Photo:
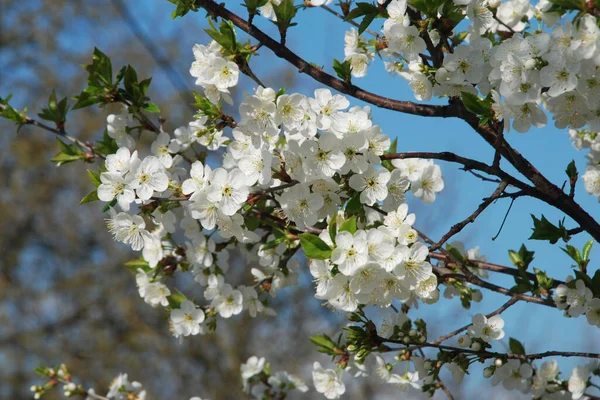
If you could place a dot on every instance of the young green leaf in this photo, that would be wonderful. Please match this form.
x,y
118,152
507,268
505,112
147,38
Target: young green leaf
x,y
515,346
343,70
314,247
349,225
94,177
545,230
92,196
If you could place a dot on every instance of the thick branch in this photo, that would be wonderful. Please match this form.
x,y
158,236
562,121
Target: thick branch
x,y
543,190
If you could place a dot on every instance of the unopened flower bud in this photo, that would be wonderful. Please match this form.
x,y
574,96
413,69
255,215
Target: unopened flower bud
x,y
464,341
494,3
487,373
498,362
476,296
476,346
441,75
530,64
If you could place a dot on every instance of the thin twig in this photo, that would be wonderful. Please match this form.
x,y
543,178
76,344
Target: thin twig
x,y
502,269
500,310
512,200
87,147
490,354
456,228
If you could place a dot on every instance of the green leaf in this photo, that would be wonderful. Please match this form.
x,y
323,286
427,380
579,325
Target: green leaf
x,y
91,196
333,227
107,145
587,248
515,346
521,288
570,4
393,147
543,279
343,70
94,177
135,91
100,70
323,341
138,263
596,284
585,278
574,253
175,299
474,104
545,230
515,258
206,107
56,111
366,21
67,153
285,12
314,247
183,7
362,9
571,172
354,205
151,107
109,205
455,252
522,258
428,7
254,5
349,225
18,117
225,35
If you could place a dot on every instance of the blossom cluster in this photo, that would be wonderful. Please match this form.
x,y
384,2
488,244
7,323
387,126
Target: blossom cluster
x,y
260,382
544,382
554,67
576,299
376,265
121,388
323,154
586,139
293,171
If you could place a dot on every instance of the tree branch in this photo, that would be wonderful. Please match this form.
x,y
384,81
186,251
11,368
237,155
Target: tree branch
x,y
493,267
500,310
471,218
490,354
87,147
